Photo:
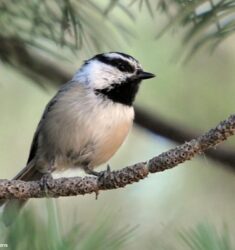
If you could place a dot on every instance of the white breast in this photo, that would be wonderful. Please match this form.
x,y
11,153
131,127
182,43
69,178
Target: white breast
x,y
114,121
87,126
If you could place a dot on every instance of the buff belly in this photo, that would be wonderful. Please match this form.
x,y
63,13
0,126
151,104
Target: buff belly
x,y
85,141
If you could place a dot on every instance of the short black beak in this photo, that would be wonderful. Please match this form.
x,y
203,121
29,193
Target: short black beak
x,y
145,75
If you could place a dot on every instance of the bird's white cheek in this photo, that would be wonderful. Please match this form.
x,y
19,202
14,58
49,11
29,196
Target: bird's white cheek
x,y
105,78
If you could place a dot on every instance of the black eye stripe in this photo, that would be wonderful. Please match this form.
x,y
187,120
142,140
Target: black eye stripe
x,y
122,65
119,63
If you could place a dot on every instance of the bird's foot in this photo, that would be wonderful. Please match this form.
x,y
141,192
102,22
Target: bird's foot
x,y
92,172
102,174
45,182
107,172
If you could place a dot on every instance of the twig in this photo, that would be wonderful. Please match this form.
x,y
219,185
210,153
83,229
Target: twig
x,y
180,134
16,189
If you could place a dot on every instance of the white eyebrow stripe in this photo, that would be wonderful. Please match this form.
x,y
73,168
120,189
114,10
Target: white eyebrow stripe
x,y
115,55
131,60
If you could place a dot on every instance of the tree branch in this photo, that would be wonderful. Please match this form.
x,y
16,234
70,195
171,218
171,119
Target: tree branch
x,y
179,134
17,189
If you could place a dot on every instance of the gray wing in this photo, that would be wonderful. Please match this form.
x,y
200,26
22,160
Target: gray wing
x,y
34,145
53,101
29,172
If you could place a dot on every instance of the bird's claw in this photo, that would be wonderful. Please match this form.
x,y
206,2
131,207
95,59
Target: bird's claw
x,y
100,174
108,170
45,182
103,176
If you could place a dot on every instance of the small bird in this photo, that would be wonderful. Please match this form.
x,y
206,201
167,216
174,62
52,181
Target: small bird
x,y
87,120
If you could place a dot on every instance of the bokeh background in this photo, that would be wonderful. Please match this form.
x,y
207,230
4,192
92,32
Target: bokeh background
x,y
189,207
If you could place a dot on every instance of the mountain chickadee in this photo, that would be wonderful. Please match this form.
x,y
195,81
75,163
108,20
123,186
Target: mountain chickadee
x,y
87,120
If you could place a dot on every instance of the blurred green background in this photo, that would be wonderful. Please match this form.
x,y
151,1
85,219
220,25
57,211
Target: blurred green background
x,y
195,95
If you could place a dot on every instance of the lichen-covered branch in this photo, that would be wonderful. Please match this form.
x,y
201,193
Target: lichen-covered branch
x,y
72,186
179,134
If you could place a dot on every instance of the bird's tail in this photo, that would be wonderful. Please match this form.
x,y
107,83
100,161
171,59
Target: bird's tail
x,y
12,207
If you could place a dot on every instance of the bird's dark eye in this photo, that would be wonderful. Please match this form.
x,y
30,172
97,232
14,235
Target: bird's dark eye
x,y
121,67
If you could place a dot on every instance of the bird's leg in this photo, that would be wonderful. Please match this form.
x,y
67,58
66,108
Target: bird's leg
x,y
105,175
100,174
108,170
90,171
45,182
